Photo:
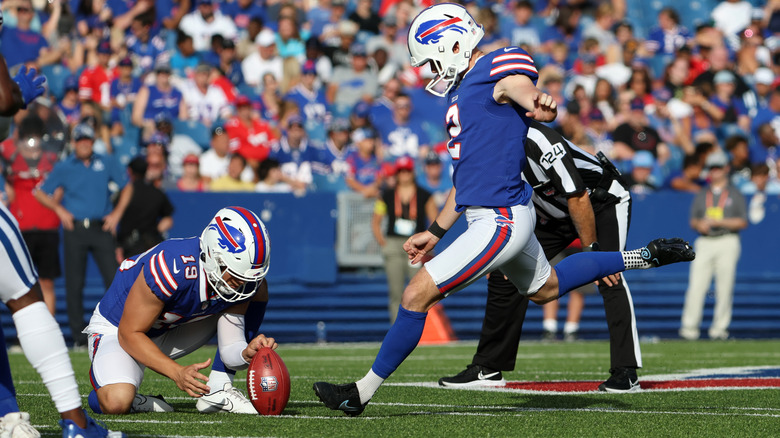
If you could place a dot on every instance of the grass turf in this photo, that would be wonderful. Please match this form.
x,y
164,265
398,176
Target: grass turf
x,y
418,411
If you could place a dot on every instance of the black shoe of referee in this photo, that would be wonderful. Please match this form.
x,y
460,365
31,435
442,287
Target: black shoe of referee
x,y
622,380
474,375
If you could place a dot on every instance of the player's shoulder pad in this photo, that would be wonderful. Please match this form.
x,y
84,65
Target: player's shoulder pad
x,y
172,264
511,60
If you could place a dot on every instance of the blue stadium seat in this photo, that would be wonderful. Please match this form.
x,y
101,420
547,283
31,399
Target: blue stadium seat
x,y
55,77
248,91
695,12
329,183
194,130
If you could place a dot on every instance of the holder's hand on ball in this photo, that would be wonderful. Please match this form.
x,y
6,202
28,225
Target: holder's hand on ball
x,y
257,343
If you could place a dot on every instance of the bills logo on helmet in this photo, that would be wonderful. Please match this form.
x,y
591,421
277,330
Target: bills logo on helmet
x,y
268,383
230,238
430,32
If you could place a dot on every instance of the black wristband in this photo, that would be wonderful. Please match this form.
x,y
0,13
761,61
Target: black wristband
x,y
436,230
592,247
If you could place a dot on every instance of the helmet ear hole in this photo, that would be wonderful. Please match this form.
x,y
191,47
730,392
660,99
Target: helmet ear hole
x,y
456,47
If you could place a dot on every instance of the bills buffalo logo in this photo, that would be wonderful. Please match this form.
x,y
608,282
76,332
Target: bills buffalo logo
x,y
502,221
269,383
431,32
230,238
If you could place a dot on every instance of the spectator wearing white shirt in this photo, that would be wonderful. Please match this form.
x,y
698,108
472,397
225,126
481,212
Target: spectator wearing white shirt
x,y
206,102
269,175
264,60
732,16
214,162
205,22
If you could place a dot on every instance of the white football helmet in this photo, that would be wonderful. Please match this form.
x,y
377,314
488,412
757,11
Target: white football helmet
x,y
235,241
432,37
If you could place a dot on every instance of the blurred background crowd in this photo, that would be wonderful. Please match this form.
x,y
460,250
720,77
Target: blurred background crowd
x,y
252,95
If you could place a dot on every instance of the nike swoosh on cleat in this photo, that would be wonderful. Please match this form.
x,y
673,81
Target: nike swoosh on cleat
x,y
486,376
225,404
633,384
344,406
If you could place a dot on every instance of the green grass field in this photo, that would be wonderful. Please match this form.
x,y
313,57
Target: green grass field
x,y
430,411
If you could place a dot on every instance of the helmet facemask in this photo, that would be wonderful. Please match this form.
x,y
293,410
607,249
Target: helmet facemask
x,y
215,275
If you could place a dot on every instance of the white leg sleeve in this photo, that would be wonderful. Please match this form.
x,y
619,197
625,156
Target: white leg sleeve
x,y
44,346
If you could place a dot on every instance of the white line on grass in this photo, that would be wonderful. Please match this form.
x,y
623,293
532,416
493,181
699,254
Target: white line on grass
x,y
124,420
604,410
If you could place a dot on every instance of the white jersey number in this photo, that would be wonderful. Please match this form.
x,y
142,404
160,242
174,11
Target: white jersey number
x,y
453,121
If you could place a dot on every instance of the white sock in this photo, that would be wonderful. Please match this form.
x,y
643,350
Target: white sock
x,y
633,259
550,325
43,345
368,385
217,380
571,327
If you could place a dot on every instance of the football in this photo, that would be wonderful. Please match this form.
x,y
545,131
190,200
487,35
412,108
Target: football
x,y
268,382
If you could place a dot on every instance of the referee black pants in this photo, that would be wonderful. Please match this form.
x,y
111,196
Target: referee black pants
x,y
79,242
505,310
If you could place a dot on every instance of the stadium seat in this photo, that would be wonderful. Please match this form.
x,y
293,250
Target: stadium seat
x,y
329,183
248,91
194,130
55,77
695,12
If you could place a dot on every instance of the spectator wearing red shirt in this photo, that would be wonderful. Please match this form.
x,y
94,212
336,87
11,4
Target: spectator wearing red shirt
x,y
250,136
95,80
27,165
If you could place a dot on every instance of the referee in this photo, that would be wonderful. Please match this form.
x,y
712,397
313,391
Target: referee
x,y
82,181
576,195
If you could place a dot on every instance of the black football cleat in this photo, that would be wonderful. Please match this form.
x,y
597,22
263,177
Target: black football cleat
x,y
622,380
661,252
340,397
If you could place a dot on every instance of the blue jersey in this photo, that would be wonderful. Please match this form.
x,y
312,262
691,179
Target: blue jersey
x,y
242,16
400,140
160,102
486,138
20,46
313,107
173,272
123,91
146,53
364,171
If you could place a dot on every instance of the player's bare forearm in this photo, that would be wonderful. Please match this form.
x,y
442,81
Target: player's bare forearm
x,y
581,212
448,216
521,90
142,309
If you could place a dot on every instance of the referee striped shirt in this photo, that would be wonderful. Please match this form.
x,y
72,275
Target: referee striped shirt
x,y
558,169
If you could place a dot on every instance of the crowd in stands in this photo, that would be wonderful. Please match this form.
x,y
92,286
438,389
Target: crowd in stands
x,y
298,96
